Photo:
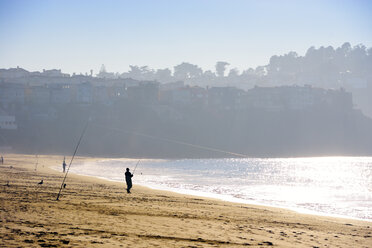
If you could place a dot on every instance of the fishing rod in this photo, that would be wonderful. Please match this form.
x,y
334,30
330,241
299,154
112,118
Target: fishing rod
x,y
136,167
72,158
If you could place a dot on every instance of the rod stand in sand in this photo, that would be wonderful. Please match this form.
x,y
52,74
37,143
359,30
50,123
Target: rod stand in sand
x,y
73,156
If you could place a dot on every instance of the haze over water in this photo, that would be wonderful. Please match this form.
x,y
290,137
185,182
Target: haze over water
x,y
340,186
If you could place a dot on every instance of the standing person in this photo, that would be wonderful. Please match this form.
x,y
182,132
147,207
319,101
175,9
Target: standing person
x,y
128,180
2,160
64,165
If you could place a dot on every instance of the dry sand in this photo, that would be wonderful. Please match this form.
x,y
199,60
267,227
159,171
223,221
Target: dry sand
x,y
98,213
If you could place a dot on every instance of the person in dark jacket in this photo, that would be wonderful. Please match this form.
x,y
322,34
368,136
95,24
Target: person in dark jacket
x,y
128,180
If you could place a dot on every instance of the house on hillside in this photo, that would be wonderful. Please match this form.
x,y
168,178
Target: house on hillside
x,y
11,93
84,93
145,93
54,73
294,98
184,96
13,73
38,94
7,121
60,93
224,97
339,99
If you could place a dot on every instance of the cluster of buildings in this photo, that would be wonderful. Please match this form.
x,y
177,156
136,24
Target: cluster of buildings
x,y
263,98
15,73
175,94
266,98
39,94
82,93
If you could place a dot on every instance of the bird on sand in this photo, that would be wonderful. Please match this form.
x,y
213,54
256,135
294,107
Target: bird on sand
x,y
41,182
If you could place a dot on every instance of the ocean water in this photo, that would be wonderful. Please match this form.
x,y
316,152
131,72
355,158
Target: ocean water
x,y
334,186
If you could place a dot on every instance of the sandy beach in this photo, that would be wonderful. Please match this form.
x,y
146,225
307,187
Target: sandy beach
x,y
96,213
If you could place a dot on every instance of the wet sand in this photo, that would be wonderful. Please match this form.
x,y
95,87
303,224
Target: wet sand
x,y
98,213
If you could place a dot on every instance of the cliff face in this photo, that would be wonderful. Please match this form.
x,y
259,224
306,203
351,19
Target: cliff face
x,y
145,131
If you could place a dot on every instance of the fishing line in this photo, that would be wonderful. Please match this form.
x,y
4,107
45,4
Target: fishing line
x,y
73,156
176,141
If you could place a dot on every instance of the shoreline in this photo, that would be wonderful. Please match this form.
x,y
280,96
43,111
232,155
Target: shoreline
x,y
232,199
93,212
225,198
216,196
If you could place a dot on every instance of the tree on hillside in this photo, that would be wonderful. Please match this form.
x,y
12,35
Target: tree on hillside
x,y
187,71
139,73
163,75
234,73
221,68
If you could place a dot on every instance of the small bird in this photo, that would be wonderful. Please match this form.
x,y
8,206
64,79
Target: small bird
x,y
7,184
64,186
41,182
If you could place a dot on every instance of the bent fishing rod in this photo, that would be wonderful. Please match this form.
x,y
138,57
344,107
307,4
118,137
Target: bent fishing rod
x,y
72,158
136,166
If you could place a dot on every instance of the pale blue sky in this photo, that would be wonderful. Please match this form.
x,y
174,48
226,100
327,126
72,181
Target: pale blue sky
x,y
77,36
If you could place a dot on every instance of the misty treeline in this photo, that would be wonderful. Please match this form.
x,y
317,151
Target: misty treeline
x,y
325,66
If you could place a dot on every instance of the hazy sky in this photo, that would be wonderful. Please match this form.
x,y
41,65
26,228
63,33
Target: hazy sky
x,y
77,36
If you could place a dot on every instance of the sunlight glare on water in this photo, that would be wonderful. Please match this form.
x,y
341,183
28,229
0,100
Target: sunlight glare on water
x,y
325,185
